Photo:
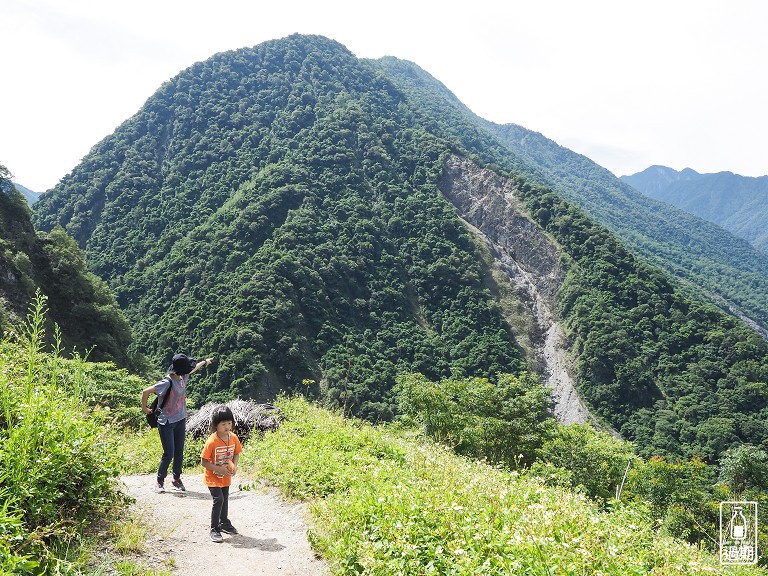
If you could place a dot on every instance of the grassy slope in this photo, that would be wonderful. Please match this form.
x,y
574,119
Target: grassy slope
x,y
387,503
383,500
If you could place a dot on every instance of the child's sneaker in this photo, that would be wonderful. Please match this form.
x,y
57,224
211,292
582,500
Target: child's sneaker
x,y
158,487
228,528
216,536
177,484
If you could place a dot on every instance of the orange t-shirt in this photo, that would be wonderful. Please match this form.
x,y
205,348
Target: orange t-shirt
x,y
219,452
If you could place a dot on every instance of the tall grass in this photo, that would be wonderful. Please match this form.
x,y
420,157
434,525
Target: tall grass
x,y
56,462
385,503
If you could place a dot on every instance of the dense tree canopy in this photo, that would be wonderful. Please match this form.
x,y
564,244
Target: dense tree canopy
x,y
710,263
676,376
277,207
505,422
78,301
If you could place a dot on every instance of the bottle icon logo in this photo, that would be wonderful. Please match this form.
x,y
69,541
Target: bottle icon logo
x,y
738,524
738,533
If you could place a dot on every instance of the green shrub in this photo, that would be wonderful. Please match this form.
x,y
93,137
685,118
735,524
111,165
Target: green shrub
x,y
744,467
105,385
139,451
505,421
384,503
56,457
679,494
595,461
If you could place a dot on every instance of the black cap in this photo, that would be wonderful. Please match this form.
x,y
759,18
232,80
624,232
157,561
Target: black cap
x,y
182,364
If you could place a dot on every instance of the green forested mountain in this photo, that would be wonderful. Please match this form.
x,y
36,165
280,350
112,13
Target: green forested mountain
x,y
711,263
278,206
737,203
78,301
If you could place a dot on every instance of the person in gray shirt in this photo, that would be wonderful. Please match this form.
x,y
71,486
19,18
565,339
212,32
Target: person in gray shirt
x,y
172,417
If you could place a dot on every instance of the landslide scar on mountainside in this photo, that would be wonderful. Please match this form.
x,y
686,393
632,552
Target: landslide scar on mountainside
x,y
529,259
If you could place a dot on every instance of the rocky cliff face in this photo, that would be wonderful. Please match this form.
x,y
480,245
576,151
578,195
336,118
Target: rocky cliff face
x,y
531,262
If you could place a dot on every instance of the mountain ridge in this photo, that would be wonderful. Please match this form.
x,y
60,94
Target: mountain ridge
x,y
28,194
737,203
282,206
709,263
296,182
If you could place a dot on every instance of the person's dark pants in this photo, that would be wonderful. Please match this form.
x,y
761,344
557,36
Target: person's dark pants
x,y
172,439
220,511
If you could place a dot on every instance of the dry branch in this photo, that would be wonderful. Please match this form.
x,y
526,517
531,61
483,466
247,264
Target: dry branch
x,y
249,416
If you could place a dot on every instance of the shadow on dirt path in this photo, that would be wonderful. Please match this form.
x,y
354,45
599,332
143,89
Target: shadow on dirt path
x,y
272,538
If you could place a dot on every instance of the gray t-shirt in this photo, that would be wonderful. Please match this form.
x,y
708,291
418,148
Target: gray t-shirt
x,y
175,408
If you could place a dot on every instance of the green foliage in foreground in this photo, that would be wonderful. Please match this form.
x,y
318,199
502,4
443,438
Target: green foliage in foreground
x,y
584,458
385,504
510,425
504,422
56,461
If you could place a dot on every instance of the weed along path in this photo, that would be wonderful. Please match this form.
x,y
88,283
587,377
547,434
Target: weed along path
x,y
272,537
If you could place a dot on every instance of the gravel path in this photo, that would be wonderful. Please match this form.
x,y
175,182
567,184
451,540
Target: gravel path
x,y
272,538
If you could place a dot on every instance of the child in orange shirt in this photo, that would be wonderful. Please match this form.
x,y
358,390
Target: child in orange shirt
x,y
219,458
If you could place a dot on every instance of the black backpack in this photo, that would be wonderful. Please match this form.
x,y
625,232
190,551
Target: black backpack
x,y
152,416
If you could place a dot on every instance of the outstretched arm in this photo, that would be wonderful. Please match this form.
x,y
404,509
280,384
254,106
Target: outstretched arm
x,y
201,364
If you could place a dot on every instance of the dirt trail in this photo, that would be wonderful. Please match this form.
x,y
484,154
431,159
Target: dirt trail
x,y
272,539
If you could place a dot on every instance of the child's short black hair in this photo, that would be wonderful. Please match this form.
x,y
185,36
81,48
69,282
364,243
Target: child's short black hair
x,y
221,414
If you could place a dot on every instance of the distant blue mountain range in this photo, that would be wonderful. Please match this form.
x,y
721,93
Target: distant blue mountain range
x,y
737,203
30,195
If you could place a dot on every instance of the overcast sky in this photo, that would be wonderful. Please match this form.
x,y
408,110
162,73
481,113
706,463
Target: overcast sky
x,y
683,83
